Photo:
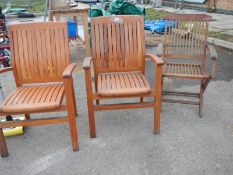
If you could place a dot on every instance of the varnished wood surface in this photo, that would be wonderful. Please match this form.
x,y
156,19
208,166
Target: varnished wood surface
x,y
40,51
42,71
127,83
29,98
185,39
118,51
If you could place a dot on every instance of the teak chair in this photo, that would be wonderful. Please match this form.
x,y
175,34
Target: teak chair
x,y
119,67
43,75
184,51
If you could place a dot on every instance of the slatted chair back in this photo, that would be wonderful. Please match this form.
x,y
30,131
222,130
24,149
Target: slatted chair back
x,y
186,36
118,43
40,51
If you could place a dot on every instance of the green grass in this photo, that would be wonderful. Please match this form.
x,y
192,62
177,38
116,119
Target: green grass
x,y
39,5
221,35
152,14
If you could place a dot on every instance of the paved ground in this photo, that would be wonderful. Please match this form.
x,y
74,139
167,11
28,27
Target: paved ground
x,y
125,144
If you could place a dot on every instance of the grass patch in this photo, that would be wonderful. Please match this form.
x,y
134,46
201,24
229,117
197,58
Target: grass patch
x,y
33,6
152,14
221,35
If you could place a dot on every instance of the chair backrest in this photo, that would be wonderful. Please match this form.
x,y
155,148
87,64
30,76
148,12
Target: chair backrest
x,y
40,51
118,43
186,36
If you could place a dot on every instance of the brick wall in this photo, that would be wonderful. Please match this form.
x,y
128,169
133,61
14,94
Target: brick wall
x,y
221,6
224,4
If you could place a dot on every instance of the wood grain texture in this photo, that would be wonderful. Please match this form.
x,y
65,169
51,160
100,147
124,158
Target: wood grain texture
x,y
40,51
118,43
43,75
117,84
185,41
29,98
119,67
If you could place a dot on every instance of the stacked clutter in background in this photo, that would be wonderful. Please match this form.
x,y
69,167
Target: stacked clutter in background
x,y
72,31
20,12
5,62
116,7
4,42
18,130
157,26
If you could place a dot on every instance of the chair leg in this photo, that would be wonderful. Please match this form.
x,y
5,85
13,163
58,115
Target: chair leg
x,y
74,102
27,116
91,117
201,98
157,108
73,131
3,147
141,99
71,109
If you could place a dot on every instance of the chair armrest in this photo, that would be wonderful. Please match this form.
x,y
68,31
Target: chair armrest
x,y
87,63
155,59
212,51
68,71
159,50
5,69
213,56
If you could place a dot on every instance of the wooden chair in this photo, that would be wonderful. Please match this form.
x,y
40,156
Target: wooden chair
x,y
184,51
43,75
119,67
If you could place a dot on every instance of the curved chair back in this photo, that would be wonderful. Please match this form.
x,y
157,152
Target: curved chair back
x,y
40,51
118,43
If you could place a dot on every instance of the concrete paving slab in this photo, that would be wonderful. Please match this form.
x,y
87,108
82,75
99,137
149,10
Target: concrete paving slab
x,y
125,143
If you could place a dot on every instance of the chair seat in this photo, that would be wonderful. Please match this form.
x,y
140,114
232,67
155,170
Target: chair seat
x,y
194,71
32,98
122,84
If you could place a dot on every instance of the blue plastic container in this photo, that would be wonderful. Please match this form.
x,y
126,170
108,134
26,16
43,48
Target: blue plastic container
x,y
72,29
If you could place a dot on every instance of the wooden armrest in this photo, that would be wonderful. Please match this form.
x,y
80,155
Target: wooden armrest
x,y
212,51
159,50
213,56
68,71
155,59
87,63
5,69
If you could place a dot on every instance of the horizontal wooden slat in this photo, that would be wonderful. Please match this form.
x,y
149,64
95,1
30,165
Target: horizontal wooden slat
x,y
29,98
180,101
127,83
32,122
123,106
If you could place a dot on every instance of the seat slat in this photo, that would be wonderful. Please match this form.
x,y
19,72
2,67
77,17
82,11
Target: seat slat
x,y
174,69
128,83
26,98
132,83
123,84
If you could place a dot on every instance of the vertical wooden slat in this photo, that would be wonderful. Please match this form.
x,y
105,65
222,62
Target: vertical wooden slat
x,y
97,46
53,52
131,62
127,41
62,50
105,45
114,45
122,40
118,45
110,46
30,54
101,46
139,46
25,53
49,54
